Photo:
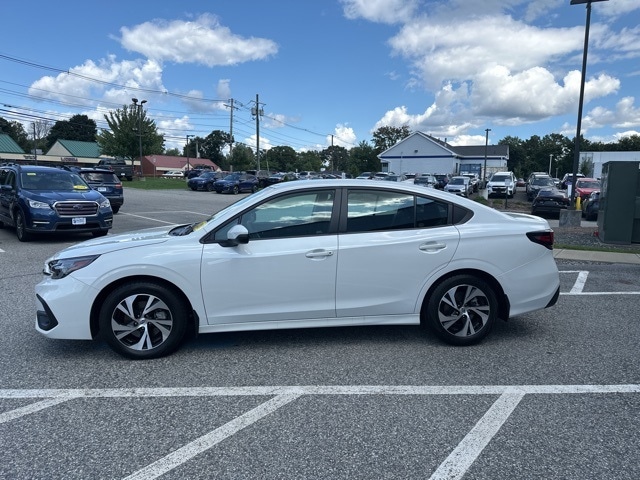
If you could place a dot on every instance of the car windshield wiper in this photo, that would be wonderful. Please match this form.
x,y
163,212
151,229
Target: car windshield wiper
x,y
182,230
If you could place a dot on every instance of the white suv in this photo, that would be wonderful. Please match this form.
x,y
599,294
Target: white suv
x,y
502,183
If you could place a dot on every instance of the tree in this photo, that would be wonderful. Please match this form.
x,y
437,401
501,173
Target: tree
x,y
211,146
309,161
241,159
78,127
16,131
363,158
387,137
281,159
173,152
336,158
40,130
123,137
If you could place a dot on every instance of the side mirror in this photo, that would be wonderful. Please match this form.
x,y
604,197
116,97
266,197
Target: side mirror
x,y
238,234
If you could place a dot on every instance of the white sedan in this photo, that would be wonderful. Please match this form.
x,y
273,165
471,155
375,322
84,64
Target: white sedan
x,y
304,254
173,174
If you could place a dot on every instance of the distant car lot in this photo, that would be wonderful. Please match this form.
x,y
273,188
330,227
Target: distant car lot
x,y
551,392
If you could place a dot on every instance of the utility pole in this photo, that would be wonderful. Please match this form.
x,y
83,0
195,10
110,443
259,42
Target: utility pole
x,y
35,145
138,107
486,146
232,107
257,112
187,151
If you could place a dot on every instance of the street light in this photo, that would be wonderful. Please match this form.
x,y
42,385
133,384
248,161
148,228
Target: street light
x,y
486,146
138,107
187,151
576,153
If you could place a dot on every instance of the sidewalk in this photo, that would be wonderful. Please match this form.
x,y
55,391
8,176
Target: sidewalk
x,y
592,255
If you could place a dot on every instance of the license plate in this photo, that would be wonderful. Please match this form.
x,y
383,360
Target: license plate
x,y
79,221
102,189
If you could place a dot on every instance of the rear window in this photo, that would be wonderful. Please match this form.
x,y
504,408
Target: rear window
x,y
99,177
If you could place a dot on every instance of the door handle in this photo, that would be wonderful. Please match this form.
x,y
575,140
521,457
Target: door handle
x,y
432,247
320,253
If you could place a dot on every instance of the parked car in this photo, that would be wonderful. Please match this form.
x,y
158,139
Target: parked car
x,y
106,183
307,175
459,185
205,181
520,182
365,176
591,206
549,200
474,181
585,186
38,200
236,183
119,166
196,171
568,178
349,240
443,179
395,178
281,177
501,183
538,183
533,176
173,174
381,175
426,180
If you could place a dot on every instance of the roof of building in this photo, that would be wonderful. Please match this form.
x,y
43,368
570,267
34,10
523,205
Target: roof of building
x,y
177,163
9,145
80,149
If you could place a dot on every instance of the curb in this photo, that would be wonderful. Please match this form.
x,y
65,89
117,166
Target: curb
x,y
593,256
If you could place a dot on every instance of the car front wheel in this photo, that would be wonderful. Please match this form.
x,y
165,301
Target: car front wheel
x,y
462,309
21,227
235,189
143,320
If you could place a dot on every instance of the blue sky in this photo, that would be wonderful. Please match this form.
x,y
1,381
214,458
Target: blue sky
x,y
327,70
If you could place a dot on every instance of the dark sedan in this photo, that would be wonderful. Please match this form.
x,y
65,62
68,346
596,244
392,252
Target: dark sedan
x,y
204,181
281,177
590,206
549,200
538,184
105,182
236,183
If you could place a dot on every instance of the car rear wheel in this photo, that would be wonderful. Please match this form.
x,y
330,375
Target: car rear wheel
x,y
115,209
21,227
210,187
235,189
143,320
462,309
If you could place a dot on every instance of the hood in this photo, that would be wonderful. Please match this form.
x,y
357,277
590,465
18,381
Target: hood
x,y
67,196
111,243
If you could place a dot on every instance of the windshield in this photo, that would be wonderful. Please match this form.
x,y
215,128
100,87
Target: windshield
x,y
233,177
457,181
57,181
587,184
543,181
500,178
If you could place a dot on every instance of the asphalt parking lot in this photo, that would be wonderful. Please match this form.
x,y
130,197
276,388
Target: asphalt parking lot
x,y
555,394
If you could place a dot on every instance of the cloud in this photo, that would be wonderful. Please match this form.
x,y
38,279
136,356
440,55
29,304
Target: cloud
x,y
203,41
344,136
104,75
380,11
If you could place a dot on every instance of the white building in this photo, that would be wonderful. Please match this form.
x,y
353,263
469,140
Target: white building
x,y
422,153
600,158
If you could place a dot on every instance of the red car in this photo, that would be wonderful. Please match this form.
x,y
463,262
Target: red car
x,y
585,186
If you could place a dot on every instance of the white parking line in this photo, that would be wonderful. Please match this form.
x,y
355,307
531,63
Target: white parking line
x,y
581,280
183,454
454,466
463,456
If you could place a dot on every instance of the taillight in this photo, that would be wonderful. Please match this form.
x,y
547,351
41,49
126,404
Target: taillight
x,y
544,238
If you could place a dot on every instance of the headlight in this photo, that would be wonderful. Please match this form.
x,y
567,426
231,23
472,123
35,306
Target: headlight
x,y
105,204
37,204
62,267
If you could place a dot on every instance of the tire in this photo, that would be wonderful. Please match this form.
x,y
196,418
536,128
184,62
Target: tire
x,y
254,189
21,227
115,209
99,233
143,320
461,310
210,187
235,189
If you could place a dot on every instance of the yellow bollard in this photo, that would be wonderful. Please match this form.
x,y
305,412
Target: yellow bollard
x,y
578,205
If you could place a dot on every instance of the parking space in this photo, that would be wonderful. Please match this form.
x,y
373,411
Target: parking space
x,y
549,395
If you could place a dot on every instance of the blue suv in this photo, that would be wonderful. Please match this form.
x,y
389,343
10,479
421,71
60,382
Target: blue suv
x,y
36,199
